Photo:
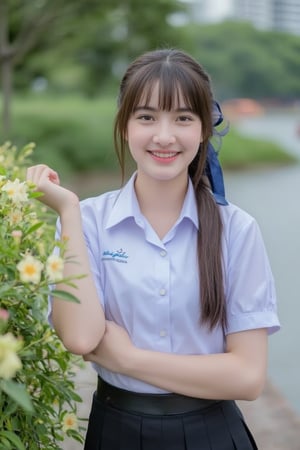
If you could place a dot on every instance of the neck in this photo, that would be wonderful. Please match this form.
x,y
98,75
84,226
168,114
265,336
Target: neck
x,y
162,195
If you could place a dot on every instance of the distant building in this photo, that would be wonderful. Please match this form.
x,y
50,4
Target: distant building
x,y
286,16
258,12
279,15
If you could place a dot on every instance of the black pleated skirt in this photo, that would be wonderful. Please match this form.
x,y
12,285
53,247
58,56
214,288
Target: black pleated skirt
x,y
217,427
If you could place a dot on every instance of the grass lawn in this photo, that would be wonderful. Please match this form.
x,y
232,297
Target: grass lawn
x,y
240,152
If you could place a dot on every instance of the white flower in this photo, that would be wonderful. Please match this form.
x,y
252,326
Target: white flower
x,y
30,269
54,267
9,360
16,191
15,216
70,422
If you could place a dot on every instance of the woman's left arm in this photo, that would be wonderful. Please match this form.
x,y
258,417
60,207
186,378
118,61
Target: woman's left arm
x,y
237,374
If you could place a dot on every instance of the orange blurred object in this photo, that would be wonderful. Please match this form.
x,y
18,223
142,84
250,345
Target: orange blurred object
x,y
237,107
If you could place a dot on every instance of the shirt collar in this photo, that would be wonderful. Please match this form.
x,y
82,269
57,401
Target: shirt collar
x,y
126,205
189,207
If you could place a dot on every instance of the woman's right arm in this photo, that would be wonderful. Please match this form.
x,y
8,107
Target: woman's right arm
x,y
80,326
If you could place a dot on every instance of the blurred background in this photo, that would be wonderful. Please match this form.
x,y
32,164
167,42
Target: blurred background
x,y
61,62
60,65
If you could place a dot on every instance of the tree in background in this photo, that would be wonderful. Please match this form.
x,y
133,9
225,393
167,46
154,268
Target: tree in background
x,y
25,26
246,62
76,46
130,29
93,32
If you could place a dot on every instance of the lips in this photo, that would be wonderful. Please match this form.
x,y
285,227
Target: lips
x,y
166,155
163,157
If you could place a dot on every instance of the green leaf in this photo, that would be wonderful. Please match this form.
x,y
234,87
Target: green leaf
x,y
35,194
65,296
5,287
18,393
5,445
10,408
12,437
34,227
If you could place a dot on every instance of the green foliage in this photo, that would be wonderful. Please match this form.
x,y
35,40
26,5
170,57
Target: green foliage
x,y
245,62
91,43
74,134
242,61
37,392
125,31
99,37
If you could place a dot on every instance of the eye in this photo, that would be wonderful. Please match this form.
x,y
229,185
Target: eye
x,y
145,117
185,118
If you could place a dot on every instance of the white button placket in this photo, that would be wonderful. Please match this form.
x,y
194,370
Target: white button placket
x,y
163,319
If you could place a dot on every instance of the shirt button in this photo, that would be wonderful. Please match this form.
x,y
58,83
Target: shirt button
x,y
163,333
162,292
163,253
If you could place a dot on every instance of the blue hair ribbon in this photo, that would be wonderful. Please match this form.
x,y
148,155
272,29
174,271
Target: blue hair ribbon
x,y
213,167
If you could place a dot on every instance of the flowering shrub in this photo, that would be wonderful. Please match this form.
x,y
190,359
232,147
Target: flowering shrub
x,y
37,393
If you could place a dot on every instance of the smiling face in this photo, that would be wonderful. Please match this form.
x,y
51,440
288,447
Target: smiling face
x,y
170,90
163,142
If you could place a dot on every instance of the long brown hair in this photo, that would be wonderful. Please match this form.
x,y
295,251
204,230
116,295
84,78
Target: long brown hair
x,y
178,73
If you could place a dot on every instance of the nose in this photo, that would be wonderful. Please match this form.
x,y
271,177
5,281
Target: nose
x,y
164,134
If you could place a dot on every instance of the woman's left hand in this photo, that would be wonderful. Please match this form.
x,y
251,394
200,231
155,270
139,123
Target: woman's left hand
x,y
113,350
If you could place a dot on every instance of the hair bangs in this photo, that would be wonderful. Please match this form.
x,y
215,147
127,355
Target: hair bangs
x,y
175,85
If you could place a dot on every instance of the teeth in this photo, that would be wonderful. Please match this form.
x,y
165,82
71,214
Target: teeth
x,y
164,155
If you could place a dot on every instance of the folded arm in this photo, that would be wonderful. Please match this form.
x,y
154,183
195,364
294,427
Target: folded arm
x,y
239,373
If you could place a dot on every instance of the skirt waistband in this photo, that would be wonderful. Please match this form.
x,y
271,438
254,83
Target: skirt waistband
x,y
157,404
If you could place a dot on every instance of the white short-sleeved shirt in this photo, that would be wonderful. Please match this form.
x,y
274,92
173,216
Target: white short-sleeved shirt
x,y
150,286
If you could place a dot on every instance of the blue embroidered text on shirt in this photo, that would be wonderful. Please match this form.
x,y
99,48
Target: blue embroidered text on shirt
x,y
118,255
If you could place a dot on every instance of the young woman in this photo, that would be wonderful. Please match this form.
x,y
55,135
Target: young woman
x,y
179,297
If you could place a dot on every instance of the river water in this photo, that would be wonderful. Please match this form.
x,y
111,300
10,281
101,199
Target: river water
x,y
282,128
272,196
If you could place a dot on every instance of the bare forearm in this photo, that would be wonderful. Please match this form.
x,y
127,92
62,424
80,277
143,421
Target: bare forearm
x,y
218,376
80,326
239,373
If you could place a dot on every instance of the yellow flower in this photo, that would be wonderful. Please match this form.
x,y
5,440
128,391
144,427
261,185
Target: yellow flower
x,y
70,422
16,191
9,360
30,269
54,267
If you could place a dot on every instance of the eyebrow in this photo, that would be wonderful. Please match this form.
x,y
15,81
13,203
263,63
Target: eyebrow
x,y
150,108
